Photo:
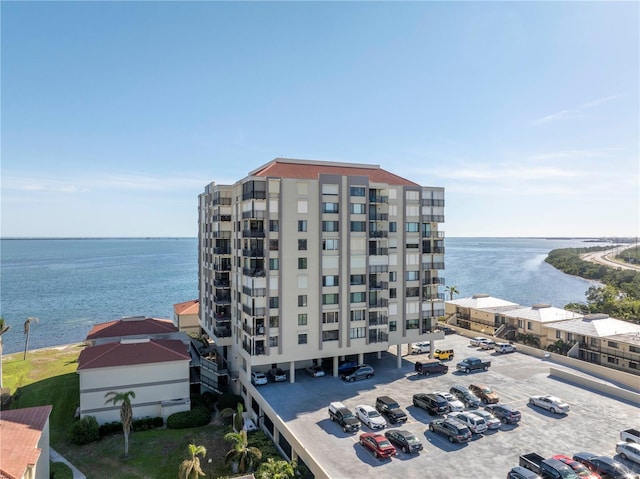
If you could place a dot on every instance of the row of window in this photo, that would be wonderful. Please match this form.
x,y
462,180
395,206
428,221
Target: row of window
x,y
354,333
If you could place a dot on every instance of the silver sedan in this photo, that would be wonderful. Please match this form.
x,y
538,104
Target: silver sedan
x,y
550,403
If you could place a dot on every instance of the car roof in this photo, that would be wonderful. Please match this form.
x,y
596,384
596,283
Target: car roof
x,y
366,407
631,445
524,472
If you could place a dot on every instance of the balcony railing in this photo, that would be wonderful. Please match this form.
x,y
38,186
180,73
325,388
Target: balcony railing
x,y
379,303
221,284
253,233
378,285
253,252
433,218
254,214
254,311
433,280
257,331
221,234
377,336
222,266
221,217
378,251
378,234
222,201
254,195
222,250
432,249
433,265
378,199
432,234
378,320
635,357
222,332
222,298
222,316
254,272
255,292
379,216
433,297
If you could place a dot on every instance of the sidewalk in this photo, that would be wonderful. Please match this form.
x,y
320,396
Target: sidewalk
x,y
55,457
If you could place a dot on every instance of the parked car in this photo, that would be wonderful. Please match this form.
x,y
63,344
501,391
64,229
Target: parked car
x,y
315,371
548,468
370,417
472,364
447,330
378,444
505,413
477,340
464,395
452,403
520,472
421,347
504,348
485,393
390,409
258,378
277,375
453,429
629,450
581,470
488,344
630,435
404,440
347,366
443,354
475,423
492,421
430,366
607,467
550,403
342,415
361,372
431,403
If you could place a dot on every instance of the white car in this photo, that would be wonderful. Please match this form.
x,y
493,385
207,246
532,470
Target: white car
x,y
504,348
421,347
550,403
453,403
258,378
369,416
473,421
488,344
629,450
315,371
477,341
492,421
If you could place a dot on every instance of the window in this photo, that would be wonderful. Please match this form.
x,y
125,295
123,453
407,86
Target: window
x,y
413,292
302,245
357,315
330,189
329,317
355,333
274,264
412,246
274,321
329,244
569,336
634,349
633,365
329,207
330,226
358,208
357,191
393,325
412,323
612,360
393,276
302,319
529,325
393,227
273,341
302,300
302,263
594,342
357,297
330,298
273,245
612,344
392,293
411,227
302,338
274,302
413,275
330,335
358,226
274,225
558,334
357,279
520,324
302,225
330,280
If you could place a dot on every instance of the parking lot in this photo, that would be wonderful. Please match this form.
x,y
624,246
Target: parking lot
x,y
592,425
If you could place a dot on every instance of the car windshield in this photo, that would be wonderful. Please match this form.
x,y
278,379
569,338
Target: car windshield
x,y
411,439
373,413
567,473
384,443
487,390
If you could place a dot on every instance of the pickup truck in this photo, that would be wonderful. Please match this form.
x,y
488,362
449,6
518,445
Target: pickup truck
x,y
547,468
471,364
630,435
342,415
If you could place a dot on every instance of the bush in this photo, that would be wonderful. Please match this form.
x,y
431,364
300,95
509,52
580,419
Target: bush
x,y
229,400
139,424
60,470
210,399
84,431
110,428
198,416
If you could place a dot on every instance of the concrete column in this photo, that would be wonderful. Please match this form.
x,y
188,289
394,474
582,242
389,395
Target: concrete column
x,y
360,358
399,355
294,455
276,436
292,372
432,348
335,366
379,354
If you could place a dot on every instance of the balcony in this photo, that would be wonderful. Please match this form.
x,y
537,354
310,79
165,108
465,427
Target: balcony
x,y
254,214
222,298
222,201
378,285
378,251
254,195
432,249
226,266
222,250
219,283
433,297
221,234
379,303
430,202
378,199
379,320
253,272
255,233
433,280
223,315
253,252
222,332
377,336
378,216
257,331
433,218
432,235
253,311
255,350
255,292
378,234
221,217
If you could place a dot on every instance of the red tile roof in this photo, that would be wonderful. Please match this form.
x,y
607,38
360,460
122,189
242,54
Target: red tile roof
x,y
305,169
20,432
130,327
132,352
188,307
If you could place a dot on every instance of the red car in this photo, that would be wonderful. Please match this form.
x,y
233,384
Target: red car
x,y
378,443
580,469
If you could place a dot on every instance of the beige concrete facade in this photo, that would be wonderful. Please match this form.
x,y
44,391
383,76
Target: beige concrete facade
x,y
319,261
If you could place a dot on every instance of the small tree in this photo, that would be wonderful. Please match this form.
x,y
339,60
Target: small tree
x,y
126,413
241,451
238,422
280,469
27,330
190,467
451,290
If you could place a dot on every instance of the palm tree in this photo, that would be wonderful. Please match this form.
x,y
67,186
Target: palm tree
x,y
272,469
191,467
27,330
241,451
126,413
3,329
238,420
451,290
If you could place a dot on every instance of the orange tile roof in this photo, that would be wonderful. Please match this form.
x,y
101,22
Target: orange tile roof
x,y
188,307
304,169
20,432
130,353
130,327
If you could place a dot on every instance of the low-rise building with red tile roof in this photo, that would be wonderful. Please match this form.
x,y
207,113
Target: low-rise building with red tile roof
x,y
134,327
187,316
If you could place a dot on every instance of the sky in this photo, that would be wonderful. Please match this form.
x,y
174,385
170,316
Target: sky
x,y
116,115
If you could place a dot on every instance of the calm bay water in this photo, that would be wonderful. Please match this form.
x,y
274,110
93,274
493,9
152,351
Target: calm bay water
x,y
72,284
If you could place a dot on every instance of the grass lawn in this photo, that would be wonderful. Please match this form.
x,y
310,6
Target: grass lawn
x,y
49,377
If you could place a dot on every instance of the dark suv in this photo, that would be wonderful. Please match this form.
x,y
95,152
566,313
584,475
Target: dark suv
x,y
453,429
506,414
361,372
390,408
432,403
463,394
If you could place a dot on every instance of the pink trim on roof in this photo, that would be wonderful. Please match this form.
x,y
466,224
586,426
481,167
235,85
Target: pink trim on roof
x,y
132,353
131,327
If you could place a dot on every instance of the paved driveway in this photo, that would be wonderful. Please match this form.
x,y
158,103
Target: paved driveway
x,y
592,425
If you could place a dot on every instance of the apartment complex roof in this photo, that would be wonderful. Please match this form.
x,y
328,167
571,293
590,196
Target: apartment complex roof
x,y
542,313
131,326
482,301
597,326
129,352
308,169
188,307
20,432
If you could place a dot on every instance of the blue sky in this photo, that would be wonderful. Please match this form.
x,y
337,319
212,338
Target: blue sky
x,y
115,115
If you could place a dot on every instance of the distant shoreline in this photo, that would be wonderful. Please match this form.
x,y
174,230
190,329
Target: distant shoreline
x,y
59,347
584,238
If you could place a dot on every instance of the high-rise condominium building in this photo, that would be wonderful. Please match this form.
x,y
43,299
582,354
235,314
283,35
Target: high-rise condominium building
x,y
308,261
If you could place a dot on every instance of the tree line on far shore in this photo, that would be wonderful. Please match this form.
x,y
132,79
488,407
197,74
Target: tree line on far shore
x,y
619,297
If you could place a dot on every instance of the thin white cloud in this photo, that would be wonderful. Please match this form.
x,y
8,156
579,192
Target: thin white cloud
x,y
574,154
561,115
600,101
493,173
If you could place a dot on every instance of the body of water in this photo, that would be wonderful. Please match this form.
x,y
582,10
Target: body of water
x,y
72,284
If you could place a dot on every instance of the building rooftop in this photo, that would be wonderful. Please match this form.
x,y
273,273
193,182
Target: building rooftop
x,y
188,307
20,432
481,301
598,326
543,313
129,352
131,326
309,169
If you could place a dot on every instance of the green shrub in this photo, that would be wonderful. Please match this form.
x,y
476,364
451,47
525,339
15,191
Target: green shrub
x,y
198,416
210,399
60,470
138,424
229,400
84,431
